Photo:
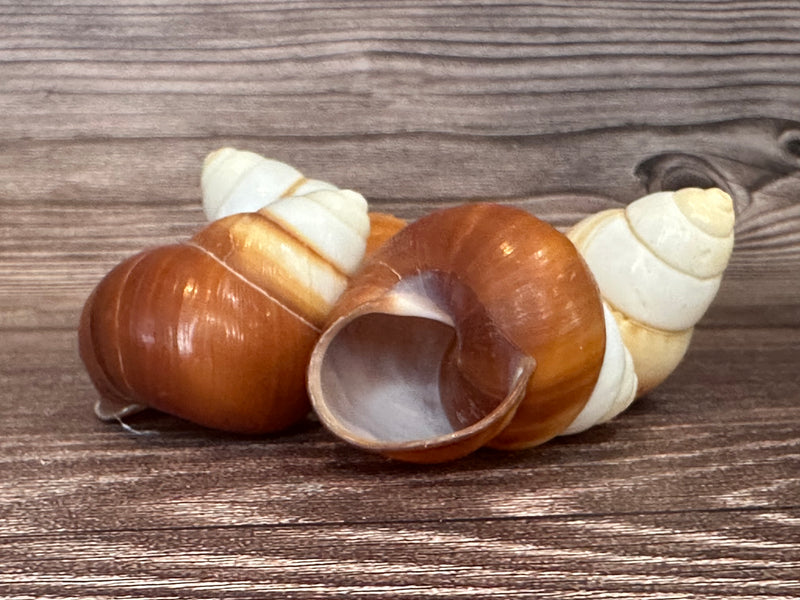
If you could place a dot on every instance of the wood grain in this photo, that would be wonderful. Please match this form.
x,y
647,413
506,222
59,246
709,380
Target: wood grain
x,y
694,489
105,216
710,555
106,113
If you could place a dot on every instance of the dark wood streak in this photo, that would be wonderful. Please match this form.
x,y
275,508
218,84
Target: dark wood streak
x,y
564,109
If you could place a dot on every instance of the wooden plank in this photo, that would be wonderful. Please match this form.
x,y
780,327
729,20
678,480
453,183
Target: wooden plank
x,y
118,197
720,555
720,435
396,172
495,68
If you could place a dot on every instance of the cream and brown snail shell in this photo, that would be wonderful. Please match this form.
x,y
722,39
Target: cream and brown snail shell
x,y
659,263
218,330
616,385
474,325
236,181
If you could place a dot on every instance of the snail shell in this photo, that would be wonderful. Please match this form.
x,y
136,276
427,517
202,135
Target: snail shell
x,y
382,226
616,386
659,263
218,330
476,324
236,181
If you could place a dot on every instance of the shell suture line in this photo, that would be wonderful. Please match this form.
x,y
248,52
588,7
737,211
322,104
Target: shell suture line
x,y
391,269
254,286
294,187
652,251
301,241
122,363
649,248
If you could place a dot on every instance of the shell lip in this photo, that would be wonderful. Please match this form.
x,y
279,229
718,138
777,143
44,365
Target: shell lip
x,y
471,436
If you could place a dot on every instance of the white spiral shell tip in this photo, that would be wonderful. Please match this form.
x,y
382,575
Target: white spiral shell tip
x,y
655,264
334,223
710,210
690,230
237,181
349,206
222,170
217,156
659,263
311,185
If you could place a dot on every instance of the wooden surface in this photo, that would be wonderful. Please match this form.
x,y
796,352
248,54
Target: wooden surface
x,y
106,112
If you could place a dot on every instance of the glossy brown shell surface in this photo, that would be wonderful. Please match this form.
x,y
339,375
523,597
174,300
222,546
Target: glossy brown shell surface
x,y
531,281
177,329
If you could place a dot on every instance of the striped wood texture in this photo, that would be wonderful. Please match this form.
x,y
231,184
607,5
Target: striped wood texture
x,y
563,108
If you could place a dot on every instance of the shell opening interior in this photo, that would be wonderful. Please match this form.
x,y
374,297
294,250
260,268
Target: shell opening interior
x,y
427,363
376,364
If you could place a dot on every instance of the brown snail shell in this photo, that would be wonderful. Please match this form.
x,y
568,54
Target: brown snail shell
x,y
218,330
476,324
382,226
